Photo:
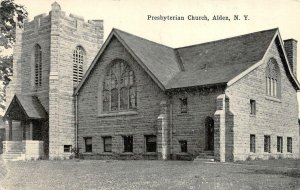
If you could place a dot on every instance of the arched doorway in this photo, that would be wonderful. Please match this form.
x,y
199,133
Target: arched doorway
x,y
209,133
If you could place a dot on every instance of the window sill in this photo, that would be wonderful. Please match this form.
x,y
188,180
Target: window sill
x,y
150,153
118,114
266,153
106,153
273,99
127,153
182,153
181,114
251,115
87,153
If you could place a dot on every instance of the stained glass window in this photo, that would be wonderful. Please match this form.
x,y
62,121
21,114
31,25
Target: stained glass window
x,y
119,88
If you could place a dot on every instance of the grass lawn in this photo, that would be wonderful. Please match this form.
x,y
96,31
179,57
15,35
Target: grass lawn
x,y
98,174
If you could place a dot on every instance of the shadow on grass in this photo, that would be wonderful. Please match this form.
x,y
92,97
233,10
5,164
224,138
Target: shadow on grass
x,y
294,173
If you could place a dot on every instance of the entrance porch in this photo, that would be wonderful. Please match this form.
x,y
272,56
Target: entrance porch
x,y
27,130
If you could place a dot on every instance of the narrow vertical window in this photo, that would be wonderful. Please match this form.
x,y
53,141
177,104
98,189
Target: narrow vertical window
x,y
183,146
272,79
289,145
37,66
279,144
183,105
252,107
267,144
128,143
275,88
252,143
88,144
107,144
150,143
78,60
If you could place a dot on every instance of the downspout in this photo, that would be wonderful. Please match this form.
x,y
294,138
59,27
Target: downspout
x,y
171,129
76,121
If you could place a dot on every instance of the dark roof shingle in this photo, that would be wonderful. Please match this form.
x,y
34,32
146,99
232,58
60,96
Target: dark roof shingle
x,y
220,61
31,105
159,59
203,64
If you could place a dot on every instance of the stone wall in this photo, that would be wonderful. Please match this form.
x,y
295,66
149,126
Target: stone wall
x,y
93,123
34,32
67,32
17,131
58,35
274,117
33,149
190,126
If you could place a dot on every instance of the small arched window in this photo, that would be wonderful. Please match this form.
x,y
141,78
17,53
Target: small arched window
x,y
37,65
272,79
119,88
78,60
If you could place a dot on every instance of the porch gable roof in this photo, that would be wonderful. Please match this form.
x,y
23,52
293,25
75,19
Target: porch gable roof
x,y
29,105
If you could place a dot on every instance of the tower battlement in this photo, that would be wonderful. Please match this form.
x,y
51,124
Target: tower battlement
x,y
51,54
72,21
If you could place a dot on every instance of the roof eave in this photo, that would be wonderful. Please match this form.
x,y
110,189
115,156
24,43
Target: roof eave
x,y
260,62
9,107
102,49
198,86
87,73
140,62
287,61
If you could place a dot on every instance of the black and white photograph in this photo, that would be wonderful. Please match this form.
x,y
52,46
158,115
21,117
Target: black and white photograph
x,y
142,95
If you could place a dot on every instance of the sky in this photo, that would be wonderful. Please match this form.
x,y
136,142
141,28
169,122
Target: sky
x,y
132,16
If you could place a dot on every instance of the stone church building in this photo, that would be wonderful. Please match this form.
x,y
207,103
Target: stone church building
x,y
231,99
51,54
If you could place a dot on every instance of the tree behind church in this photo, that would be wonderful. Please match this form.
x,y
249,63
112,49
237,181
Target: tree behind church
x,y
12,15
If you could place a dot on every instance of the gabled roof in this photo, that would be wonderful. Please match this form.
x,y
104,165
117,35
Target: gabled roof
x,y
30,107
217,62
161,60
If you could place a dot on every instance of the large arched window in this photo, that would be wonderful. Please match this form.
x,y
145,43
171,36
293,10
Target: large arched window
x,y
78,60
272,79
119,88
37,65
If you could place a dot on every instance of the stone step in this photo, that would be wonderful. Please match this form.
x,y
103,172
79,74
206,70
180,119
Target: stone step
x,y
13,152
206,156
204,160
211,153
12,156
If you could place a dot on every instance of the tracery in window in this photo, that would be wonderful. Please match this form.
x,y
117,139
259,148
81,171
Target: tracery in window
x,y
78,60
272,79
119,88
37,65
